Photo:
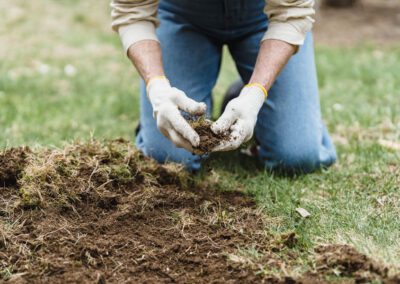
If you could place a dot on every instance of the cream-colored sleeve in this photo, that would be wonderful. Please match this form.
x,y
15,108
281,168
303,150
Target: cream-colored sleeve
x,y
134,20
289,20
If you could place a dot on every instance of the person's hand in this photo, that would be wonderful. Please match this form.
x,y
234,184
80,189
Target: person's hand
x,y
240,117
167,103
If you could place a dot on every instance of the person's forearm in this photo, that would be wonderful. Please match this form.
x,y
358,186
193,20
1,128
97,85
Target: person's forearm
x,y
272,57
146,56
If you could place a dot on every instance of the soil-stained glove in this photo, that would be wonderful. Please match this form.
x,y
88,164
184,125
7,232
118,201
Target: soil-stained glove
x,y
240,117
167,103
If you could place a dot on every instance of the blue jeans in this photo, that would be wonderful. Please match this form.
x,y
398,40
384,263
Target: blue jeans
x,y
192,33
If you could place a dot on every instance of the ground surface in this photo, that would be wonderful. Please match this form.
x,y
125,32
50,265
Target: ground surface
x,y
374,22
63,76
103,213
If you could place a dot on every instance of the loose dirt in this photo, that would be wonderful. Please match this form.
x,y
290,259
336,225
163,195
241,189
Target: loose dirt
x,y
346,262
103,213
208,139
12,163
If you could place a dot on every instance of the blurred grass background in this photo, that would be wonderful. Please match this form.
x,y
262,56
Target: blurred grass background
x,y
63,76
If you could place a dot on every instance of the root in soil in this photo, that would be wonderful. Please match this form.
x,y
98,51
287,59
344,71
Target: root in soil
x,y
102,212
208,139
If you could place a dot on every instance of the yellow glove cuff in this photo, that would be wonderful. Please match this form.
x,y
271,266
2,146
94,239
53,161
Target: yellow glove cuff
x,y
260,87
156,78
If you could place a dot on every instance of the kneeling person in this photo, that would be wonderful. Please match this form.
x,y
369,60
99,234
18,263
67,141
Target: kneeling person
x,y
179,62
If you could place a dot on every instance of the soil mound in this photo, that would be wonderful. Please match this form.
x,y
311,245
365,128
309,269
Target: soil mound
x,y
208,139
346,262
103,213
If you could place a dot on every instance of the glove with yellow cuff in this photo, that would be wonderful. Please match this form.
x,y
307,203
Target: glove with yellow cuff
x,y
167,102
240,117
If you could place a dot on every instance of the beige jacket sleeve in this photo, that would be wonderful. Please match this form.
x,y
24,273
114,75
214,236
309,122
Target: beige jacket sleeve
x,y
136,20
289,20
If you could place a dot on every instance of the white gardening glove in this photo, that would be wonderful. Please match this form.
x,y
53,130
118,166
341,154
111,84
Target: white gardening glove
x,y
167,103
240,117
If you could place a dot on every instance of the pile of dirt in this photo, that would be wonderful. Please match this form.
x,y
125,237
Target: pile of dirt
x,y
346,262
102,212
208,139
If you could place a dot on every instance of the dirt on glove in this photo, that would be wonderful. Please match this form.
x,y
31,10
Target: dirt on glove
x,y
208,139
103,213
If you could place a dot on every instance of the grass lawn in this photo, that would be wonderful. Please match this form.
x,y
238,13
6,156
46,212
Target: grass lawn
x,y
63,76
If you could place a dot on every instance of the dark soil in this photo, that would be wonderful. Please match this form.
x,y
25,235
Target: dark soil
x,y
12,163
103,213
346,262
208,139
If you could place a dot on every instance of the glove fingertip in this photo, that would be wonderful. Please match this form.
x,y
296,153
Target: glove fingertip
x,y
218,127
217,148
195,140
214,128
200,108
223,147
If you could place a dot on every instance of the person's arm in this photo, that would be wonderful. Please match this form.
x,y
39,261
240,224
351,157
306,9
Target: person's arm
x,y
135,21
165,100
272,58
289,22
146,57
240,115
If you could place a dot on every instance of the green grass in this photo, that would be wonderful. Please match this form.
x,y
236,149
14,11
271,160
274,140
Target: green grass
x,y
357,201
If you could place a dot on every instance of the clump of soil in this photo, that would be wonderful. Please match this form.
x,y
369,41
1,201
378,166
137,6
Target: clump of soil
x,y
346,261
12,163
208,139
344,264
102,212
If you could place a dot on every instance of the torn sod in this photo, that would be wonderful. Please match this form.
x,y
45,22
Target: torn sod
x,y
103,213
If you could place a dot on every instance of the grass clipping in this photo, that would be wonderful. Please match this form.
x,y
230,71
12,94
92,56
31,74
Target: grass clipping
x,y
102,212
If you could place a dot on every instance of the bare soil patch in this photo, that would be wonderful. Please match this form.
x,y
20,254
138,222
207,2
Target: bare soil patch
x,y
369,21
103,213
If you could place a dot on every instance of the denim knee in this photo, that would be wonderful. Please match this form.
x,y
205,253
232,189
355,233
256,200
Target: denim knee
x,y
294,158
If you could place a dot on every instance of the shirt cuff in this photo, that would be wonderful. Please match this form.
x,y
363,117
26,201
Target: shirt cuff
x,y
284,31
138,31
